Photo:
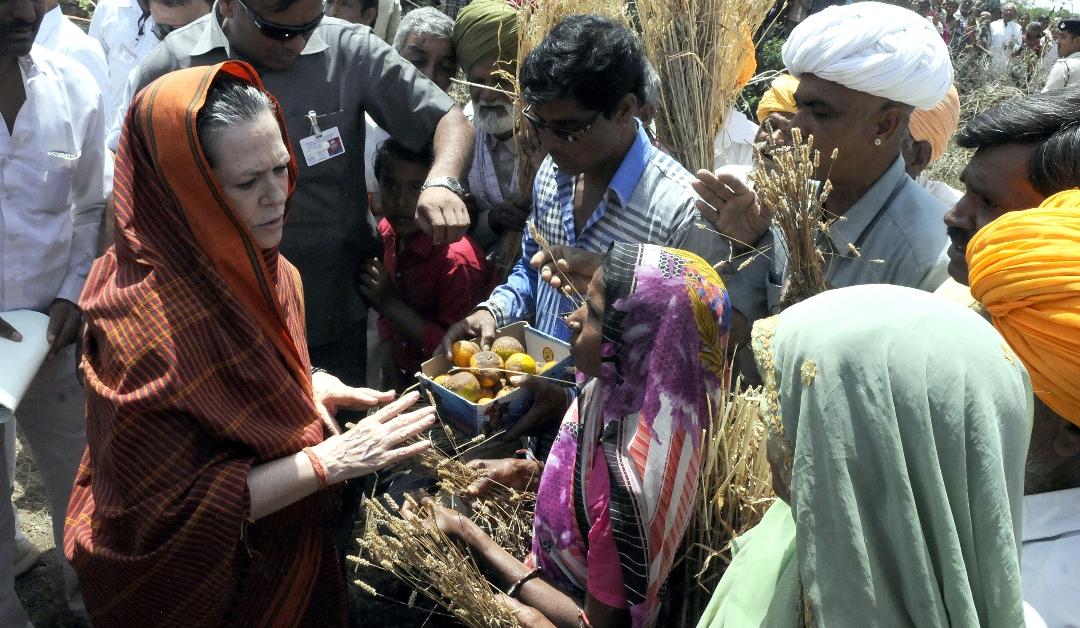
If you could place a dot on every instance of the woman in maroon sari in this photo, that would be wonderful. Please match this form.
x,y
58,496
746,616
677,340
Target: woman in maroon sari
x,y
209,491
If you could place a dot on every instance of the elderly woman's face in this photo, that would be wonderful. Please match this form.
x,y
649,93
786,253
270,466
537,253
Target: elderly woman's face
x,y
587,328
251,164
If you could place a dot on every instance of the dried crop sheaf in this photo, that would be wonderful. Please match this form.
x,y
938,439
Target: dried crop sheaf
x,y
415,550
702,50
504,513
787,185
734,491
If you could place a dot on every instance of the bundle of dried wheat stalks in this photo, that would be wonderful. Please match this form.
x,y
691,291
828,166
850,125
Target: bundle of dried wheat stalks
x,y
504,513
786,183
701,49
416,551
734,492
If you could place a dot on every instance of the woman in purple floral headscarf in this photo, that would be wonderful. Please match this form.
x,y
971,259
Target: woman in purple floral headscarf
x,y
618,488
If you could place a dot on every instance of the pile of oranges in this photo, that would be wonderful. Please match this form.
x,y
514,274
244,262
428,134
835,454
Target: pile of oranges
x,y
486,377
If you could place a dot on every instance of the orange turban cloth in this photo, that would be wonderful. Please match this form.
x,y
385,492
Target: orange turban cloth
x,y
938,124
1025,269
748,60
780,97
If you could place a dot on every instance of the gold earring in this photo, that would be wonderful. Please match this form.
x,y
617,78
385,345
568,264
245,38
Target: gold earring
x,y
877,141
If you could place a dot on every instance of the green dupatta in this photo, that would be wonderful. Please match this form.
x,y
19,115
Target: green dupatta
x,y
902,422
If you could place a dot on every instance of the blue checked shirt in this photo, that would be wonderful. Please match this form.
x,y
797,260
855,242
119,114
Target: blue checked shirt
x,y
649,200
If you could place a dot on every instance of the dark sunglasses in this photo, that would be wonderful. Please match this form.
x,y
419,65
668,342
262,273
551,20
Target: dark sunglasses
x,y
280,32
161,30
566,135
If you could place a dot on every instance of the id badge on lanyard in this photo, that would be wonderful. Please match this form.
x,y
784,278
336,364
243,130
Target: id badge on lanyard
x,y
321,145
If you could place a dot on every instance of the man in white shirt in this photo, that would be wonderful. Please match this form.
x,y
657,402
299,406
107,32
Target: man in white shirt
x,y
1005,38
124,28
54,177
59,34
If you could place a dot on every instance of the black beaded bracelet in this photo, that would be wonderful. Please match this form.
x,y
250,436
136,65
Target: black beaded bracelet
x,y
516,587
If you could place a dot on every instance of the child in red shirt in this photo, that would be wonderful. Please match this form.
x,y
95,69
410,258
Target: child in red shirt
x,y
418,288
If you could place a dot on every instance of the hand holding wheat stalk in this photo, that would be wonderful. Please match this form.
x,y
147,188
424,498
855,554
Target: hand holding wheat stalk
x,y
504,513
417,551
787,184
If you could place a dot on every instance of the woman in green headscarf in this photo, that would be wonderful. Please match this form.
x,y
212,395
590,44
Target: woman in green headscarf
x,y
899,426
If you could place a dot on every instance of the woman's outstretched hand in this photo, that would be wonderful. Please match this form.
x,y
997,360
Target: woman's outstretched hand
x,y
377,441
332,395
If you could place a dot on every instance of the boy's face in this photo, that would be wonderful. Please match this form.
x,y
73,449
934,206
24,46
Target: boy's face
x,y
400,188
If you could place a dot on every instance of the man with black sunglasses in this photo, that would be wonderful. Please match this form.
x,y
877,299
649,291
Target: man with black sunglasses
x,y
327,73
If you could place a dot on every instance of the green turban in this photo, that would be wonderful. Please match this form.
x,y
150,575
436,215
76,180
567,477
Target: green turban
x,y
486,29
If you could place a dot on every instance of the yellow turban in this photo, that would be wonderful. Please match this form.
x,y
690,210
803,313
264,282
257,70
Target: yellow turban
x,y
938,124
1025,269
486,29
779,98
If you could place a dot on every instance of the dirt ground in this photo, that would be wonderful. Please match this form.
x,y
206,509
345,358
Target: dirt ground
x,y
41,588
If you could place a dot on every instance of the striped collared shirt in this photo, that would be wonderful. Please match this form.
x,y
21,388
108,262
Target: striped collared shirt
x,y
649,200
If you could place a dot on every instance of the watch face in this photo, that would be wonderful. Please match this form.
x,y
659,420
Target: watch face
x,y
449,183
454,186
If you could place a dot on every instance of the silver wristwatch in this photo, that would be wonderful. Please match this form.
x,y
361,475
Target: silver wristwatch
x,y
449,183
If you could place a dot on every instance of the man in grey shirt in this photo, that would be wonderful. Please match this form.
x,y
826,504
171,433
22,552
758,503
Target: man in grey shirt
x,y
327,73
887,228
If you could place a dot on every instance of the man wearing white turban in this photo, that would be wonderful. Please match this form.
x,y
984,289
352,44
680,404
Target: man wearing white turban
x,y
863,69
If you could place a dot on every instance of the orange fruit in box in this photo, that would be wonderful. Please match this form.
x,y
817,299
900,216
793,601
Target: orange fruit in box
x,y
488,368
462,351
547,367
507,346
521,363
464,385
506,390
441,379
483,400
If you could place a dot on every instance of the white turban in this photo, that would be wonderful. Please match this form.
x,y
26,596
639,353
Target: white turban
x,y
875,48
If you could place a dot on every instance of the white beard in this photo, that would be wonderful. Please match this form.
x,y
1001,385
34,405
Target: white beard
x,y
494,119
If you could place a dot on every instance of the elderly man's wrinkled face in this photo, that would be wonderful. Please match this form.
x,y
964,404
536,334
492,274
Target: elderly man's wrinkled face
x,y
263,46
996,181
775,127
1008,12
842,119
433,56
19,22
492,108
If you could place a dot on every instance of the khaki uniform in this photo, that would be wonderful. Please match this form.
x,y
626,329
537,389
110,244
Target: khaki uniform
x,y
1064,73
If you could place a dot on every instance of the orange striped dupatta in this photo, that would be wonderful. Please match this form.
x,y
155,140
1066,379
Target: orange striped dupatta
x,y
196,370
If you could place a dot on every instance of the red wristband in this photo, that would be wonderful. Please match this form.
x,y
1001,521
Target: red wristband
x,y
317,466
